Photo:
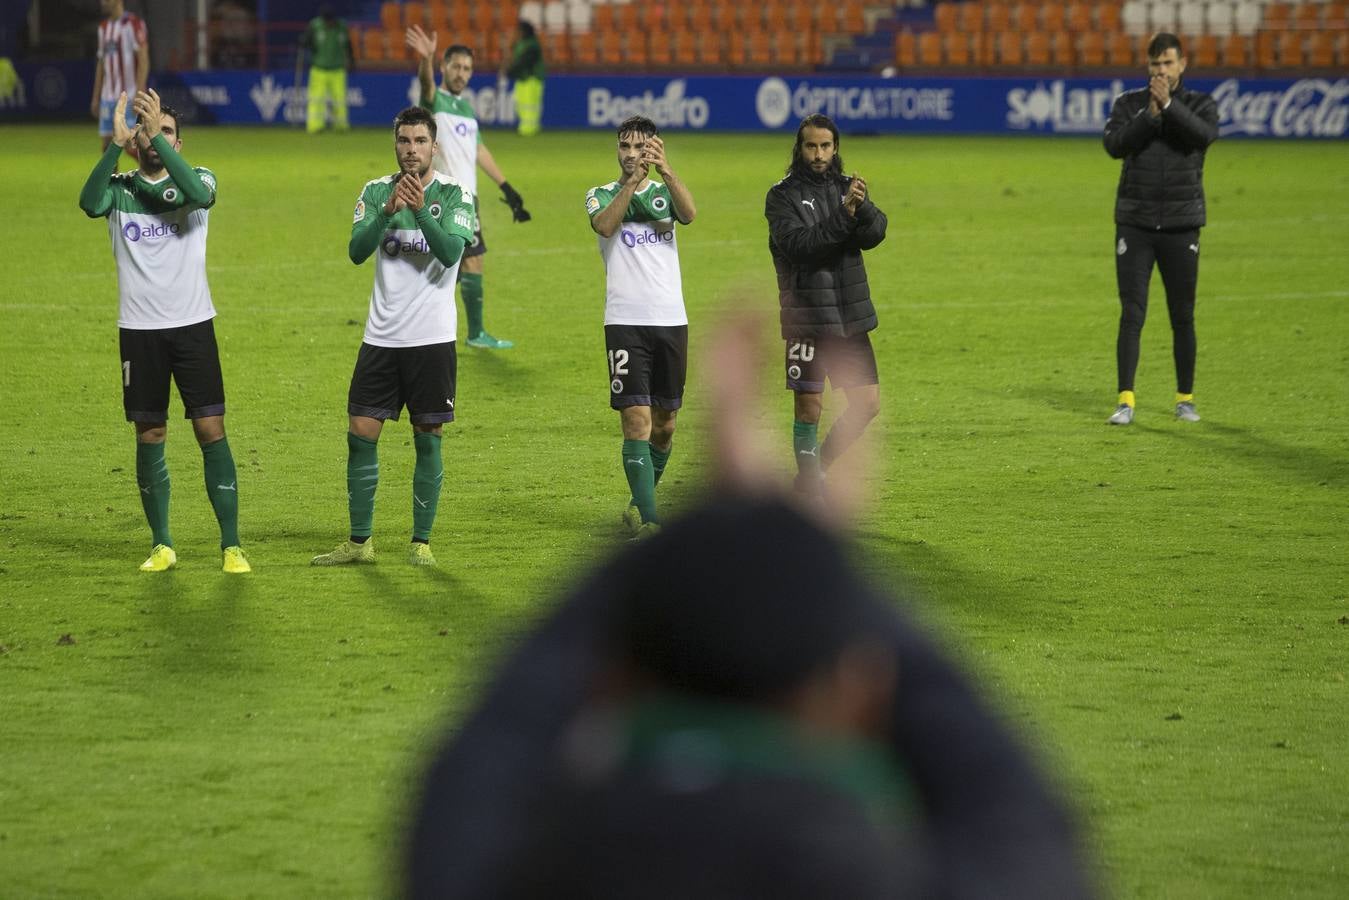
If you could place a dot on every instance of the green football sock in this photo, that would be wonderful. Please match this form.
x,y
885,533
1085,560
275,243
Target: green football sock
x,y
470,288
426,479
362,479
641,477
658,460
806,443
222,486
152,477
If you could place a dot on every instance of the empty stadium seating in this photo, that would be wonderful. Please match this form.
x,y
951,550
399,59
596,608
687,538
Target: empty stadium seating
x,y
783,34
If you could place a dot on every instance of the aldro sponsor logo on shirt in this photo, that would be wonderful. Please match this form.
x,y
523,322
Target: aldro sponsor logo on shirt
x,y
135,231
642,238
395,246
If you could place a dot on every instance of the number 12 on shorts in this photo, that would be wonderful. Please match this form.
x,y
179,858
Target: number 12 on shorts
x,y
618,362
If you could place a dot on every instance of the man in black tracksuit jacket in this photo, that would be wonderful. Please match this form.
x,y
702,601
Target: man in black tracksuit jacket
x,y
1161,133
819,222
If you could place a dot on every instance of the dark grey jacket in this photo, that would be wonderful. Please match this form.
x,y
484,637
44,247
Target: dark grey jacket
x,y
817,251
1161,185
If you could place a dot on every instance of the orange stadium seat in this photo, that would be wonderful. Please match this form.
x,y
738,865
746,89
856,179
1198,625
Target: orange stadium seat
x,y
1079,17
603,19
1008,48
1277,15
460,24
508,15
1119,50
736,55
1037,49
1307,15
686,48
777,15
997,16
906,49
635,45
1235,51
651,16
723,16
556,48
391,16
625,17
970,17
1053,17
396,43
1091,49
1061,51
801,17
1204,52
1336,14
1026,17
712,49
760,48
610,44
1321,50
944,15
852,18
816,44
660,49
1291,50
585,51
957,49
1107,17
929,49
414,14
700,18
372,44
1265,57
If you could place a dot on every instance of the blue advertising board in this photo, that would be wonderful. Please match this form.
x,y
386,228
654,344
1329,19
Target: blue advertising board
x,y
1302,108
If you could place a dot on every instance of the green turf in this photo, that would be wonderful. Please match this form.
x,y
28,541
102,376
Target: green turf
x,y
1163,607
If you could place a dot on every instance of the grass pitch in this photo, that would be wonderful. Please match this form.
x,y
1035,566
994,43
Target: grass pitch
x,y
1163,607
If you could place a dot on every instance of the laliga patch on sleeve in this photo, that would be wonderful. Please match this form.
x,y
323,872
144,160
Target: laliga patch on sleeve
x,y
592,202
360,210
462,220
209,180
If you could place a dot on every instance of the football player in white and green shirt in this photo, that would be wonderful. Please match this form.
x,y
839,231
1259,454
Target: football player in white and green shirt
x,y
461,151
416,223
645,326
157,219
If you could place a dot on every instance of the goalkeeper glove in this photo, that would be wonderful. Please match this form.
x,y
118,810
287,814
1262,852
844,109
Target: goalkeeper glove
x,y
511,197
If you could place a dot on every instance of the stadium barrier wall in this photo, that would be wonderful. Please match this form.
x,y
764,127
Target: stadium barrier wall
x,y
1304,108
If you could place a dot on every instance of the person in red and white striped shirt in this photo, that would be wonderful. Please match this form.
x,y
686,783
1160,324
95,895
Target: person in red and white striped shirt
x,y
123,64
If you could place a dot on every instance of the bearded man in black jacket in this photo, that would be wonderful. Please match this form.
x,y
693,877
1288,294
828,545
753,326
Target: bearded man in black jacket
x,y
1161,133
819,222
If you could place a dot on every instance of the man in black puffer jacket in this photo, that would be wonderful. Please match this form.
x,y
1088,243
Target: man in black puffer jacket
x,y
819,222
1161,133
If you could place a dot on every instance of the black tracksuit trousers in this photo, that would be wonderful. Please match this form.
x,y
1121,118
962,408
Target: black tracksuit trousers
x,y
1176,254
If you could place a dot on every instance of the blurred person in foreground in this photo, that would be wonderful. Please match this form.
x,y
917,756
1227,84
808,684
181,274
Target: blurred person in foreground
x,y
157,219
330,56
819,222
122,66
1161,132
461,152
753,720
527,69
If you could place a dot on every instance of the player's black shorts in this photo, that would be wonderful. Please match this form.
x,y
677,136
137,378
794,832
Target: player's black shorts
x,y
647,365
188,355
477,246
388,378
846,361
